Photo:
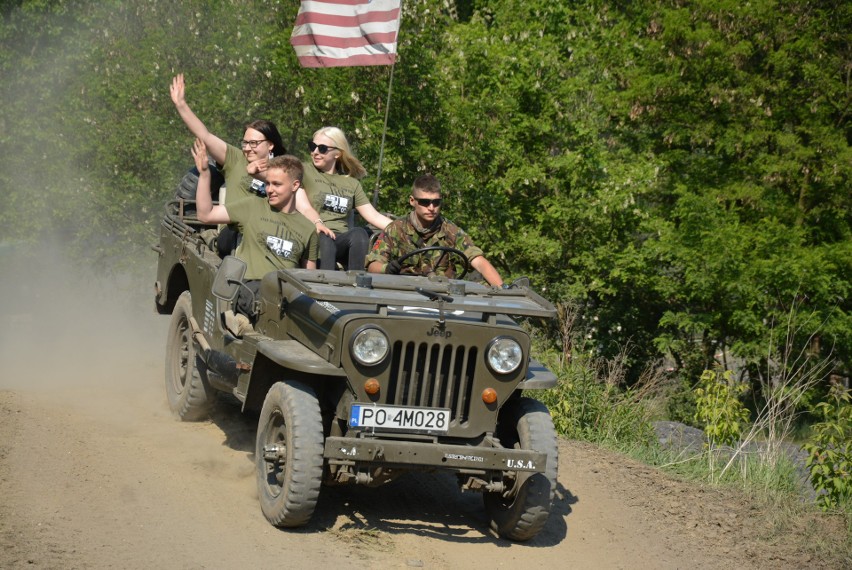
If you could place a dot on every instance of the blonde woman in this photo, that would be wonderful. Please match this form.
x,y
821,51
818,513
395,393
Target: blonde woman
x,y
332,188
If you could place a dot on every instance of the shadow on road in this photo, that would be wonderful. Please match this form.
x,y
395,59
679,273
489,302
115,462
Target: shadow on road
x,y
425,504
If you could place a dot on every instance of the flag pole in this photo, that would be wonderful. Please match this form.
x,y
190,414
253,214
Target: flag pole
x,y
387,113
384,132
366,46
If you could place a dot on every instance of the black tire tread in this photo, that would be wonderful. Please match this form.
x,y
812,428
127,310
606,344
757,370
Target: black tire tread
x,y
192,402
527,515
297,500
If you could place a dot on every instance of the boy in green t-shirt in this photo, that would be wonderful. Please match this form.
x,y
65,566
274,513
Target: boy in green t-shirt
x,y
275,235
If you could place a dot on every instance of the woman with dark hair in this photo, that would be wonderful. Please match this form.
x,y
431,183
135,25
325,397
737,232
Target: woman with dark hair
x,y
260,140
332,187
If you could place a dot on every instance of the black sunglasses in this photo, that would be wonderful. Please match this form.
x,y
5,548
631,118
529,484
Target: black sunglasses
x,y
323,148
429,201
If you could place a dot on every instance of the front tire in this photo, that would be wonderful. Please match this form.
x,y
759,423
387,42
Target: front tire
x,y
521,512
288,454
187,390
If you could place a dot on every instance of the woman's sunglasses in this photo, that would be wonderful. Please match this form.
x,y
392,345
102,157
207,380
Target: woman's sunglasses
x,y
322,148
426,202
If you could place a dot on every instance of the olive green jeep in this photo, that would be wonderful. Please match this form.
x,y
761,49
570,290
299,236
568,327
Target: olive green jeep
x,y
361,377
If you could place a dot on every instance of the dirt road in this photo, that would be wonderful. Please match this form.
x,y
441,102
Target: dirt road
x,y
94,473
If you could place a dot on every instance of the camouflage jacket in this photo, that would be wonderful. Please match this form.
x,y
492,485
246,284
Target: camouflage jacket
x,y
401,238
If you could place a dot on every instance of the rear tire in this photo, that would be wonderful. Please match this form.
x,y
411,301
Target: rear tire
x,y
187,390
288,454
525,423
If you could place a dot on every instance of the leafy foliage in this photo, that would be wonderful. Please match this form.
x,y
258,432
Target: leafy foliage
x,y
719,409
589,409
590,401
679,171
830,455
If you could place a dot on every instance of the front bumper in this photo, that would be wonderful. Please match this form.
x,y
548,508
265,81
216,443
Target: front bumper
x,y
349,451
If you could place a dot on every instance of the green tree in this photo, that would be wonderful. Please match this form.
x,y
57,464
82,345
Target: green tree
x,y
678,170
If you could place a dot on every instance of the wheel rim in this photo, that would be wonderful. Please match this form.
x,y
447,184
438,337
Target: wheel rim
x,y
275,453
183,360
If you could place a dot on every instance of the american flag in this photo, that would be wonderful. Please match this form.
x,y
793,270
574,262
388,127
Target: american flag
x,y
346,32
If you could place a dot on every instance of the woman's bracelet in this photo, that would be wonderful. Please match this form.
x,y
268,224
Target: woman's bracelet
x,y
319,221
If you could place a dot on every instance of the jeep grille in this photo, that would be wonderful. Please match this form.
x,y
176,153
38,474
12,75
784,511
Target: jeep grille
x,y
433,375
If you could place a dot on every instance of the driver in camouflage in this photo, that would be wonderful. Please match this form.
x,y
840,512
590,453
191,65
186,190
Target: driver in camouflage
x,y
426,227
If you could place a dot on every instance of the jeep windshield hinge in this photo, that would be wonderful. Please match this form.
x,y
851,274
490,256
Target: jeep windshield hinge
x,y
432,296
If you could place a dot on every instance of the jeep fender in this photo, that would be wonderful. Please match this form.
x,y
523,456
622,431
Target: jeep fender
x,y
538,377
292,355
276,360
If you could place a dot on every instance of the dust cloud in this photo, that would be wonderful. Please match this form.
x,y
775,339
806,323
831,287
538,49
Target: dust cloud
x,y
89,339
68,327
67,324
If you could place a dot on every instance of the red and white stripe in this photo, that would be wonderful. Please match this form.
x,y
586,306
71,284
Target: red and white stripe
x,y
346,32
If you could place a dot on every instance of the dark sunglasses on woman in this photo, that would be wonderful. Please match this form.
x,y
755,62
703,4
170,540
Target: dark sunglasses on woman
x,y
322,148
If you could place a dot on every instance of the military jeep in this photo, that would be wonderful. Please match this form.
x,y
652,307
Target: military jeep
x,y
361,377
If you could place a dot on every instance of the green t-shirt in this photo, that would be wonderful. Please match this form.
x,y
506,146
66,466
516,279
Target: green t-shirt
x,y
238,181
333,196
272,240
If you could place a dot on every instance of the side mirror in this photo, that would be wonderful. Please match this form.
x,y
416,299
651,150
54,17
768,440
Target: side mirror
x,y
228,278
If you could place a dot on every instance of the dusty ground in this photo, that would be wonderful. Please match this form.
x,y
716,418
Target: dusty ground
x,y
94,473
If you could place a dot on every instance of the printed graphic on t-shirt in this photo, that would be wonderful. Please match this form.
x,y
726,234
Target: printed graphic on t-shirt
x,y
336,204
280,247
258,187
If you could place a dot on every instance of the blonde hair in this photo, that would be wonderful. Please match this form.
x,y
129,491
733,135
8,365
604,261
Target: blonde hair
x,y
346,163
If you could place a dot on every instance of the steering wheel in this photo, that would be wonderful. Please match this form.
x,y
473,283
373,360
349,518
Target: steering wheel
x,y
450,250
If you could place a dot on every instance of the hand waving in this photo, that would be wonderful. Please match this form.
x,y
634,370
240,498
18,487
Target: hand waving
x,y
178,90
199,153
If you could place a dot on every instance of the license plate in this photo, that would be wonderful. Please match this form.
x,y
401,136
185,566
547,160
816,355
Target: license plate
x,y
400,418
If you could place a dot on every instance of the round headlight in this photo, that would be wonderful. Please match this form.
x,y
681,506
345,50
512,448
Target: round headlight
x,y
370,346
504,355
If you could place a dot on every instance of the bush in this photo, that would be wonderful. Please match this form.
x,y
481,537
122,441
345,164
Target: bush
x,y
830,455
718,408
680,404
589,405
